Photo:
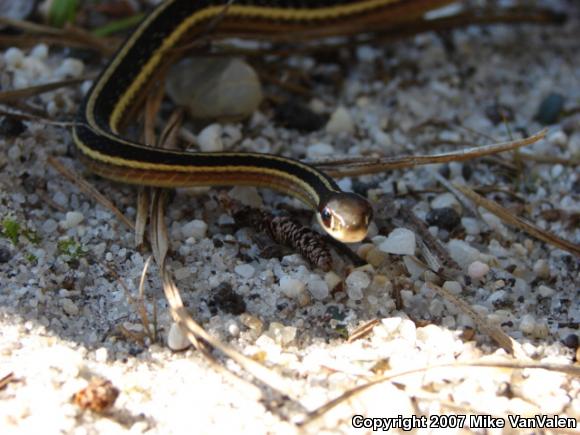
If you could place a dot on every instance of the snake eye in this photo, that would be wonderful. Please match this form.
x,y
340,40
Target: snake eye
x,y
326,216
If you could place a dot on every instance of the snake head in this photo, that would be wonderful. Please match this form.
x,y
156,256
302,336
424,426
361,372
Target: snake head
x,y
345,216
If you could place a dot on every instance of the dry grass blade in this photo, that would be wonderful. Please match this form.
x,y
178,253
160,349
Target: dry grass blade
x,y
158,230
139,304
5,380
373,165
518,222
17,114
494,331
68,37
20,94
195,331
85,187
142,214
571,370
363,330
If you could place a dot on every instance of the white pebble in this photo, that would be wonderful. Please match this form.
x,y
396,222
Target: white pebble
x,y
546,291
291,287
471,226
176,339
70,68
196,228
400,241
477,270
356,282
39,51
209,139
542,268
69,307
319,149
60,198
101,355
527,324
13,57
452,287
463,253
49,226
282,335
495,224
446,200
72,219
332,279
245,270
340,122
247,196
317,287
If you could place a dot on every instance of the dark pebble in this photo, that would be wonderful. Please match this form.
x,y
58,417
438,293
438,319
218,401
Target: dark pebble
x,y
10,127
571,341
224,298
466,171
5,255
298,116
444,217
444,171
550,109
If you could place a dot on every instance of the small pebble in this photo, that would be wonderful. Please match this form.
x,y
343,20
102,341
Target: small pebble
x,y
400,241
247,196
463,253
195,228
176,339
252,322
452,287
477,270
332,279
571,341
209,139
471,226
70,68
72,219
550,109
245,270
13,57
69,307
291,287
317,287
49,226
530,326
542,269
446,200
356,282
101,355
319,149
282,335
340,122
11,127
545,291
444,217
292,114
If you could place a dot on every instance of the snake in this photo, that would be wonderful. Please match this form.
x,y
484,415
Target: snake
x,y
104,150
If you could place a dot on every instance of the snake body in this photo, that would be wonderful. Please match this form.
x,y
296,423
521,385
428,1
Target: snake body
x,y
103,149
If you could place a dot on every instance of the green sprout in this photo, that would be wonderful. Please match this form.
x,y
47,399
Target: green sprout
x,y
62,12
70,248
